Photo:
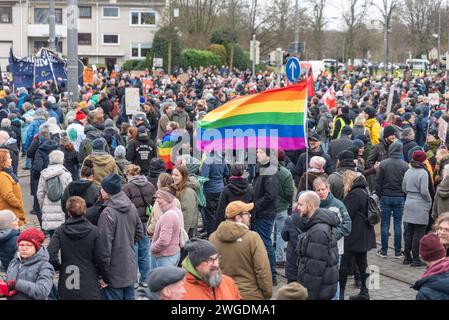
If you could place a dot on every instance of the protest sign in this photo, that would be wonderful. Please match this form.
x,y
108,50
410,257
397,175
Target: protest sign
x,y
132,99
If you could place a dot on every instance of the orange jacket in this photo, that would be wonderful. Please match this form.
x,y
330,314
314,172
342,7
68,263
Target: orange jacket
x,y
11,196
199,290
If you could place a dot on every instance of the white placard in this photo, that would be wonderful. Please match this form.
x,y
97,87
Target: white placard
x,y
434,99
132,99
158,62
442,130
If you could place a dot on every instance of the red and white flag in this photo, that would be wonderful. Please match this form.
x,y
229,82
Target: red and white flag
x,y
329,98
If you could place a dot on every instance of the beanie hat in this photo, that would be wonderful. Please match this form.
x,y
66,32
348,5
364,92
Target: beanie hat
x,y
199,250
358,143
346,158
237,169
438,114
346,130
120,152
292,291
317,162
419,156
407,116
345,110
6,219
111,184
161,277
389,131
109,123
324,109
431,248
36,237
80,116
371,112
98,145
397,121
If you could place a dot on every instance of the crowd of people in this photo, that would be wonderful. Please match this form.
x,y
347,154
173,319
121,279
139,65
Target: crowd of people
x,y
121,215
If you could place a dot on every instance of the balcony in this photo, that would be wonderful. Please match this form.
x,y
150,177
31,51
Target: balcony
x,y
42,30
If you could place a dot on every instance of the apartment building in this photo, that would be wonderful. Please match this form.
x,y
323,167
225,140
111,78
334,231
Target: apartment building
x,y
109,31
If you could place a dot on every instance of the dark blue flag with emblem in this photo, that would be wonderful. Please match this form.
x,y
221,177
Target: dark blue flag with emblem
x,y
22,70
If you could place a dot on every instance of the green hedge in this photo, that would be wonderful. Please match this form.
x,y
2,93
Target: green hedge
x,y
220,51
198,58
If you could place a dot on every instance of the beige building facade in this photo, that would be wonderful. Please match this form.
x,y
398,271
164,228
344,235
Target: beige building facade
x,y
109,31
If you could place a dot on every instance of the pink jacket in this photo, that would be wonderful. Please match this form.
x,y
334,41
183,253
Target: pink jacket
x,y
166,235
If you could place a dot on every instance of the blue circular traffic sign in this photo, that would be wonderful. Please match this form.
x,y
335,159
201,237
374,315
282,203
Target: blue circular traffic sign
x,y
293,69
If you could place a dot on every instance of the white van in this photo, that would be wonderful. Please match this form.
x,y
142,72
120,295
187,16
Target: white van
x,y
418,64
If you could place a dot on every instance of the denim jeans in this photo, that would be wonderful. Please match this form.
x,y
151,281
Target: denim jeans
x,y
168,261
388,205
264,226
152,258
143,259
278,226
127,293
337,293
27,163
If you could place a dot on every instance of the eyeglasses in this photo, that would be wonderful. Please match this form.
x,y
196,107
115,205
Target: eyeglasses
x,y
23,245
212,260
245,213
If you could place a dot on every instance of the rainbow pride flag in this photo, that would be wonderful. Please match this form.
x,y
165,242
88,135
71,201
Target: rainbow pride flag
x,y
165,148
270,119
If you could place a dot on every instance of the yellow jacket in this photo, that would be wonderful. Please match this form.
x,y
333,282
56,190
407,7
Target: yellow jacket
x,y
11,196
373,127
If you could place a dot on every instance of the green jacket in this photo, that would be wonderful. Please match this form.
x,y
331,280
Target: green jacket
x,y
286,190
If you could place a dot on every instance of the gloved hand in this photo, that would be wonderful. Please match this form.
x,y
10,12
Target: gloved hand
x,y
7,288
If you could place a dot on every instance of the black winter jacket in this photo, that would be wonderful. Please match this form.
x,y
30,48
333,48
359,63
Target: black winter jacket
x,y
237,189
391,173
71,162
137,188
157,166
141,151
77,239
362,237
300,167
318,255
408,145
290,233
85,189
266,188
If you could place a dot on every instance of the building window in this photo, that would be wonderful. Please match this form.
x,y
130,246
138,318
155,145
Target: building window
x,y
5,14
111,39
142,18
85,39
44,44
41,15
85,12
139,50
111,12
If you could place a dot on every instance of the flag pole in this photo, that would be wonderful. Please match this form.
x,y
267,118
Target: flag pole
x,y
51,68
306,140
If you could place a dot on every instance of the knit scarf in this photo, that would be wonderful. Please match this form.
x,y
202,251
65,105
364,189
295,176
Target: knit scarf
x,y
418,165
11,173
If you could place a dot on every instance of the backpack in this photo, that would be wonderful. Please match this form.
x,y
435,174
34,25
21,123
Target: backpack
x,y
373,209
200,193
54,189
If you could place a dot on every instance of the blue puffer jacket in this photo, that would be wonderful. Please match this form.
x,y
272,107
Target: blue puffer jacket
x,y
435,282
216,170
291,231
8,246
34,276
33,129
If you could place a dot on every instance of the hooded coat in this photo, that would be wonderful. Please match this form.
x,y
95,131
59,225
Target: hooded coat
x,y
8,246
137,188
266,188
33,276
82,188
104,165
441,200
244,259
141,151
391,173
156,168
318,256
120,229
237,189
434,285
77,239
52,214
197,289
379,152
85,146
39,152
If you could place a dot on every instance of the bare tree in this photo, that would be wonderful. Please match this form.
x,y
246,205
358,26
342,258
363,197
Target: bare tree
x,y
387,10
317,21
353,18
419,17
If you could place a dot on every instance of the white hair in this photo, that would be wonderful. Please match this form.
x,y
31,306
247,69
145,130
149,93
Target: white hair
x,y
51,99
446,171
4,136
56,157
6,123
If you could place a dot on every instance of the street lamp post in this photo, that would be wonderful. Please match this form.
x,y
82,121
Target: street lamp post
x,y
51,22
72,48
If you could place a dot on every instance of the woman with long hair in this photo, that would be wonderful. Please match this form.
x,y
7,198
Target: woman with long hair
x,y
188,198
362,237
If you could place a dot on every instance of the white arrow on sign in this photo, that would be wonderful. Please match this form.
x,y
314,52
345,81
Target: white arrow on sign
x,y
292,67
